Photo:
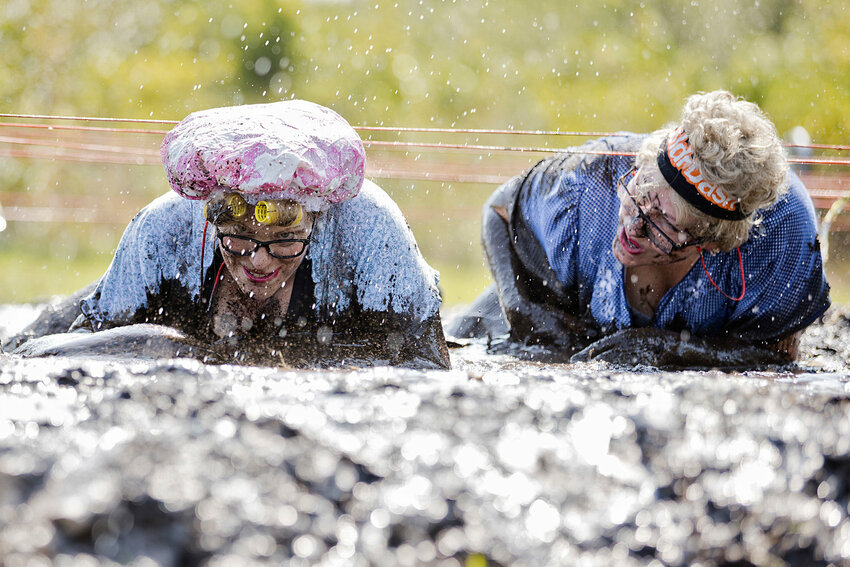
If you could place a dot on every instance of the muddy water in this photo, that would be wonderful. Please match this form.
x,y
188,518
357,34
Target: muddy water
x,y
497,462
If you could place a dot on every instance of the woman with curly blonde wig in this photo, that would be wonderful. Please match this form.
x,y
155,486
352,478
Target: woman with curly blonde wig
x,y
699,250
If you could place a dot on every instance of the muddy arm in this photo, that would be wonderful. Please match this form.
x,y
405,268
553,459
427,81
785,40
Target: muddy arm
x,y
133,341
57,317
668,349
403,341
428,350
529,320
365,338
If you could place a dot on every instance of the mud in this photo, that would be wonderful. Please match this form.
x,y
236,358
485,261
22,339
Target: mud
x,y
500,461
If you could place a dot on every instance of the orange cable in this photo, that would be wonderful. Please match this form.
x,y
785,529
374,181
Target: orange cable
x,y
364,128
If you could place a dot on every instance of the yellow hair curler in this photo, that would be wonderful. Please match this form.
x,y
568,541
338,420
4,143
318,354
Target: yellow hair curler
x,y
269,212
237,206
232,206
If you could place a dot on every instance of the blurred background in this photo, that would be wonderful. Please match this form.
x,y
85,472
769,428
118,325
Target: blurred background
x,y
68,188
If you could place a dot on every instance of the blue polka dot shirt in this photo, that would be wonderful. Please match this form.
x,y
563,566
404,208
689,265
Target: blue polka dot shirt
x,y
573,215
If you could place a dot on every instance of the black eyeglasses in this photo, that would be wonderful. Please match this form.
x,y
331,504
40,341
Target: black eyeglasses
x,y
282,249
657,236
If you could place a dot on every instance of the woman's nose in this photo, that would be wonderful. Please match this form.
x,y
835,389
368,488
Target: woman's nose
x,y
635,226
261,258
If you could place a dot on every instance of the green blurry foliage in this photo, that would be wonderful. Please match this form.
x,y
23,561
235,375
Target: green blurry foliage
x,y
602,66
549,64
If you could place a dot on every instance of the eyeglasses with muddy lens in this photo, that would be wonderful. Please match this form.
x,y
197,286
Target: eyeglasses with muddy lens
x,y
654,232
282,248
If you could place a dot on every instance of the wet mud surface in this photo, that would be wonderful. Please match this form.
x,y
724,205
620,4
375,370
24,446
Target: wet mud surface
x,y
500,461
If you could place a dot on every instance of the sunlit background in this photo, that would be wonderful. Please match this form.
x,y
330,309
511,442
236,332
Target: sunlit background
x,y
506,65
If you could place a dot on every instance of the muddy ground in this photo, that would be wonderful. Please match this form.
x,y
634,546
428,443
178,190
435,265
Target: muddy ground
x,y
497,462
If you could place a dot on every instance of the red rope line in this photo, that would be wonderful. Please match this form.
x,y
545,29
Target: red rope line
x,y
82,128
480,131
119,159
88,118
818,146
361,128
151,157
143,156
79,146
481,148
818,161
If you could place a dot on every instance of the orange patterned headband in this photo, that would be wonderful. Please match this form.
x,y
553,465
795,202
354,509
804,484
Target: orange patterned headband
x,y
677,165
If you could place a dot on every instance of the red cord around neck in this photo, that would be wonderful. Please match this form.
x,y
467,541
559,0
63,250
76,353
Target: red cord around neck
x,y
215,285
743,281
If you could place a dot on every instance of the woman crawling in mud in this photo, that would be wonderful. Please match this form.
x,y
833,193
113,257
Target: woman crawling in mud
x,y
701,250
271,249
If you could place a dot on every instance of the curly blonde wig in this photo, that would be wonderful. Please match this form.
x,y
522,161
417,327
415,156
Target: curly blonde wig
x,y
737,148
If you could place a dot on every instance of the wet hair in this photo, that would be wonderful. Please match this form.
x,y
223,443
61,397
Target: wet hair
x,y
231,208
737,148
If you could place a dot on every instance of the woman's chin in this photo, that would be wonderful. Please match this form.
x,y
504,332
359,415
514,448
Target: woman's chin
x,y
259,291
621,255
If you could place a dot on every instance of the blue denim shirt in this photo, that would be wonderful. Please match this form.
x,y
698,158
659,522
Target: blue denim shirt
x,y
573,215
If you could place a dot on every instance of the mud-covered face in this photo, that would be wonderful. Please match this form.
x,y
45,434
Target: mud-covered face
x,y
649,231
263,259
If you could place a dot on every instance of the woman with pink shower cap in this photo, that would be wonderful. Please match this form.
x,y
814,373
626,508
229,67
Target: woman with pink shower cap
x,y
271,247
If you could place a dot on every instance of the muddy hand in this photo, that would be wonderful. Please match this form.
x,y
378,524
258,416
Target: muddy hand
x,y
668,349
630,346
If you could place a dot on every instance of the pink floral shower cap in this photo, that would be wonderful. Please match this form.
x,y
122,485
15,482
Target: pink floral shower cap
x,y
292,149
